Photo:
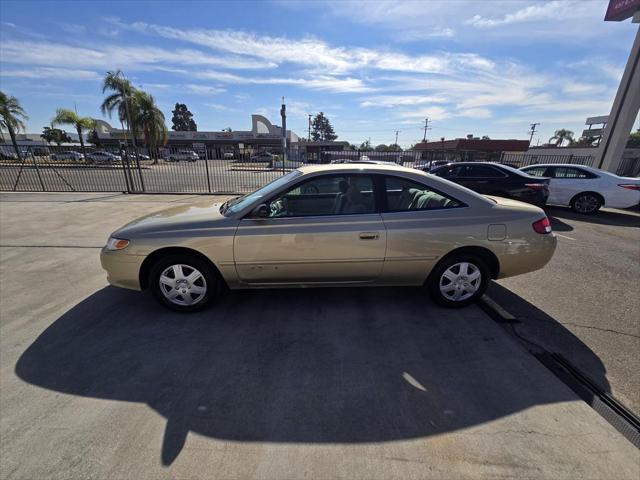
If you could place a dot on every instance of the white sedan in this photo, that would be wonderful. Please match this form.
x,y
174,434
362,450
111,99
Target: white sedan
x,y
586,189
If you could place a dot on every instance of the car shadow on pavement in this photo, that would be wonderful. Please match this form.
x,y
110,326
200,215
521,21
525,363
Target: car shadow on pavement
x,y
311,366
558,225
541,333
618,218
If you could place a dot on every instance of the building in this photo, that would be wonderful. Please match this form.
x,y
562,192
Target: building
x,y
262,136
469,149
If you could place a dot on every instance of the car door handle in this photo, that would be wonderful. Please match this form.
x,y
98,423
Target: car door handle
x,y
369,236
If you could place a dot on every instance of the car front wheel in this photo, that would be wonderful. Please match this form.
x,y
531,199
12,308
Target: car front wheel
x,y
458,281
183,283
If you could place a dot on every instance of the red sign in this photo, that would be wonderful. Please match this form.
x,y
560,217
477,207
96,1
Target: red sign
x,y
621,10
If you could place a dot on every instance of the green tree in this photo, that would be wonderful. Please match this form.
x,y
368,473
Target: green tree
x,y
64,116
562,135
55,135
93,138
183,119
148,119
366,145
321,129
120,100
634,140
12,118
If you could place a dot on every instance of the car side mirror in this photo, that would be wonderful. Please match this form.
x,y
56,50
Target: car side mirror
x,y
261,211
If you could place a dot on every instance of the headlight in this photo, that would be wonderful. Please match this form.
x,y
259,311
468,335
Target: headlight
x,y
116,244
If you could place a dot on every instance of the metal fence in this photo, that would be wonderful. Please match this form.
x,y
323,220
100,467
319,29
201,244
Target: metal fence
x,y
184,170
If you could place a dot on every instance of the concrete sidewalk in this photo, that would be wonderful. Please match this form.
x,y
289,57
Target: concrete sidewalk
x,y
322,383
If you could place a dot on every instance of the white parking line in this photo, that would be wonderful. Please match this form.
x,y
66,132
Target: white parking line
x,y
564,236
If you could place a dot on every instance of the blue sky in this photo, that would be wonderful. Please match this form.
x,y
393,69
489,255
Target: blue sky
x,y
481,67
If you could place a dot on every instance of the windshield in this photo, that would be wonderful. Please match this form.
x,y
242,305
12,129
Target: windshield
x,y
238,204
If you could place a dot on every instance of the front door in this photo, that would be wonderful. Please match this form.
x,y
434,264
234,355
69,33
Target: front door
x,y
323,230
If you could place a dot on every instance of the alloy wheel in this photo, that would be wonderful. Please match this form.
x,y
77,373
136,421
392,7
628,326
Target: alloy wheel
x,y
586,203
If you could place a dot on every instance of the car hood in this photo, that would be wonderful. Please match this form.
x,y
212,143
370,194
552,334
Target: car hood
x,y
181,218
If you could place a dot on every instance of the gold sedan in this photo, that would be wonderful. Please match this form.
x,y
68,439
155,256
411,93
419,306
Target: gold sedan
x,y
333,225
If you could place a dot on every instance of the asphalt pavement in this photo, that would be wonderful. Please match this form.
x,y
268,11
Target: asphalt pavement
x,y
98,382
589,291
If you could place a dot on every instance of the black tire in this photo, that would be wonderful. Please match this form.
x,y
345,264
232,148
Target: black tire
x,y
434,280
586,203
211,282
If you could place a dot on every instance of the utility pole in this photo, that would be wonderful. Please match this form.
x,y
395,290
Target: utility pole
x,y
309,139
397,131
283,114
426,127
532,131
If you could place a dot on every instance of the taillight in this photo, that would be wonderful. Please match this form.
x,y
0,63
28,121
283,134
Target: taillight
x,y
542,226
630,186
536,186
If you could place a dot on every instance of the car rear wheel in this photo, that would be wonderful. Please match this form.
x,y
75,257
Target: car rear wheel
x,y
586,203
183,283
458,280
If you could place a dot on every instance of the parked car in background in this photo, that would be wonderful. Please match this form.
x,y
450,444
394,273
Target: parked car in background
x,y
69,155
430,165
262,157
363,159
280,163
103,157
40,151
498,180
332,225
183,155
586,189
7,155
228,155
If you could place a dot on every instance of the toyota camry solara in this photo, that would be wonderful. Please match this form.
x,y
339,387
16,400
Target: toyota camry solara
x,y
334,225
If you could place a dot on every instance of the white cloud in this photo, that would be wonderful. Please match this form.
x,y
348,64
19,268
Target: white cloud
x,y
51,72
308,51
433,113
391,101
222,108
475,113
114,56
204,89
334,84
554,10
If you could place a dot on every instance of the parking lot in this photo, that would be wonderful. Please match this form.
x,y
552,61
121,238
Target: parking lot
x,y
319,383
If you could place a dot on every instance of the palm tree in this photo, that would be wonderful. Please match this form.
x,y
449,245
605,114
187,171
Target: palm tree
x,y
561,135
12,117
147,118
65,116
120,99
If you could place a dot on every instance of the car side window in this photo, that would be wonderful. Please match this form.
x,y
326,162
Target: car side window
x,y
406,195
570,172
535,171
483,171
326,195
451,171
